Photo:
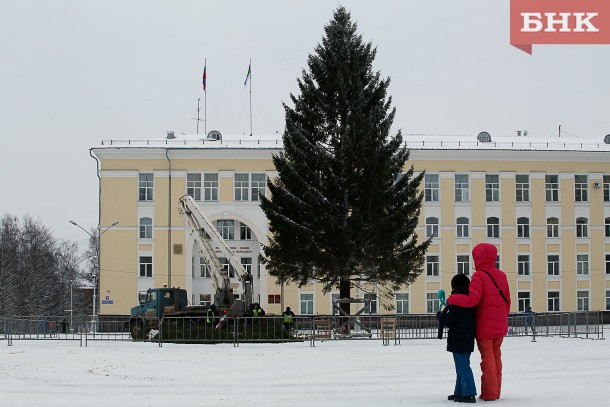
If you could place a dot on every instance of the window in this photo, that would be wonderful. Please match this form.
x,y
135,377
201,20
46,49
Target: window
x,y
210,187
523,265
258,186
522,187
582,228
432,305
551,187
608,264
226,267
193,186
497,265
432,227
582,300
607,227
431,188
226,228
205,299
145,228
204,269
523,228
552,265
492,187
145,187
242,186
606,188
553,301
552,227
493,227
402,303
463,264
581,188
145,266
462,189
432,266
582,264
248,187
245,233
371,307
607,300
306,303
524,300
462,227
246,262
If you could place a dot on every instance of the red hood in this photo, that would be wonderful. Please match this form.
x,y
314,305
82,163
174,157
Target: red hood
x,y
485,256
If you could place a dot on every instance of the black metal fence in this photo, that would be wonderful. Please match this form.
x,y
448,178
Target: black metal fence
x,y
312,328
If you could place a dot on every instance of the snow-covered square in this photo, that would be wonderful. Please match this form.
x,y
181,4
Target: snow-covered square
x,y
552,371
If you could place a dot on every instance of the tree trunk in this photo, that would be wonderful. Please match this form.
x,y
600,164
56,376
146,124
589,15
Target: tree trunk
x,y
344,292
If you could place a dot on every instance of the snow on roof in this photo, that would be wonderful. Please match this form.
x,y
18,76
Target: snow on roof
x,y
412,141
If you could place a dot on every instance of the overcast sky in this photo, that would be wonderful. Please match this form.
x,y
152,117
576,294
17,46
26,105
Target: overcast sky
x,y
74,73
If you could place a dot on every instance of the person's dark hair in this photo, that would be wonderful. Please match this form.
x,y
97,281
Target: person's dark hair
x,y
460,283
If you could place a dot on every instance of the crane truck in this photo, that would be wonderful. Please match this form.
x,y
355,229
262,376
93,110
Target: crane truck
x,y
161,302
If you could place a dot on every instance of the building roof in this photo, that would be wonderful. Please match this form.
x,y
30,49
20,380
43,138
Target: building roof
x,y
412,141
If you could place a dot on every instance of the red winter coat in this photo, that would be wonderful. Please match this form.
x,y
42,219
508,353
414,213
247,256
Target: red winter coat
x,y
492,309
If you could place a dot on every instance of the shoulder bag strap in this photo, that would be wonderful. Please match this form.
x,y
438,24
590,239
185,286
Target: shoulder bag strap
x,y
496,284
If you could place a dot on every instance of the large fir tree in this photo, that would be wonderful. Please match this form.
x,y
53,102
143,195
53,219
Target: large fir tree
x,y
341,208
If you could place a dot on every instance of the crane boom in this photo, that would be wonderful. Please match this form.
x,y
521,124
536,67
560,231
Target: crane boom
x,y
205,233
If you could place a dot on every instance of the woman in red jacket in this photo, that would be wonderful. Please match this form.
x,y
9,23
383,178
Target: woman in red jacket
x,y
488,292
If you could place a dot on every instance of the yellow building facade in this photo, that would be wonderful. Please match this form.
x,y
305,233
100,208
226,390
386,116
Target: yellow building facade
x,y
545,203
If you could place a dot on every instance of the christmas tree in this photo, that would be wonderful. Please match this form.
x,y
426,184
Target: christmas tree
x,y
344,207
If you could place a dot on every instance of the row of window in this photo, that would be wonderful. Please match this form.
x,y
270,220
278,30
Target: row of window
x,y
249,186
522,188
523,265
462,227
226,228
202,270
204,187
401,302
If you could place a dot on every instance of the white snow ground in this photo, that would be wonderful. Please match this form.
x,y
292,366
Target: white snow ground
x,y
550,372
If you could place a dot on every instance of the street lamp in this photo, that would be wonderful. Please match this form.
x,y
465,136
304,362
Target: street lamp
x,y
98,244
72,306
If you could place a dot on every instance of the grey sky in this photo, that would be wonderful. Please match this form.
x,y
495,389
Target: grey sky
x,y
76,72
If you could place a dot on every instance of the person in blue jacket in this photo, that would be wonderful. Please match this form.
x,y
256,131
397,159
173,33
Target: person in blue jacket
x,y
460,341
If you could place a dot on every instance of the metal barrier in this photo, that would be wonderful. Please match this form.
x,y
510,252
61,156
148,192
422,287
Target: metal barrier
x,y
582,324
40,328
195,330
107,329
312,328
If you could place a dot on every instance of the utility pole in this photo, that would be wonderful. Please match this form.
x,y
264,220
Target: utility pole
x,y
97,267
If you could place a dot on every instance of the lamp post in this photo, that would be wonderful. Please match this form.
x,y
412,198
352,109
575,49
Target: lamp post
x,y
97,267
72,306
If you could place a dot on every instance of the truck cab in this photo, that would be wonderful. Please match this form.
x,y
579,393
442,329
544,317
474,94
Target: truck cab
x,y
154,304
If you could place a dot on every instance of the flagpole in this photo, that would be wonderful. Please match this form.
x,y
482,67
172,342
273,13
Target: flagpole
x,y
198,99
250,96
205,102
249,78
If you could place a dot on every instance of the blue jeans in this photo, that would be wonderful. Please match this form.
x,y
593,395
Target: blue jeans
x,y
464,382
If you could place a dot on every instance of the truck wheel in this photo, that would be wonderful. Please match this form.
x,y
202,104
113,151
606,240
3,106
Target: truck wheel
x,y
136,328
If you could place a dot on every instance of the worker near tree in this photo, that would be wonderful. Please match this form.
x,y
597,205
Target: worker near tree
x,y
211,315
289,318
257,311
